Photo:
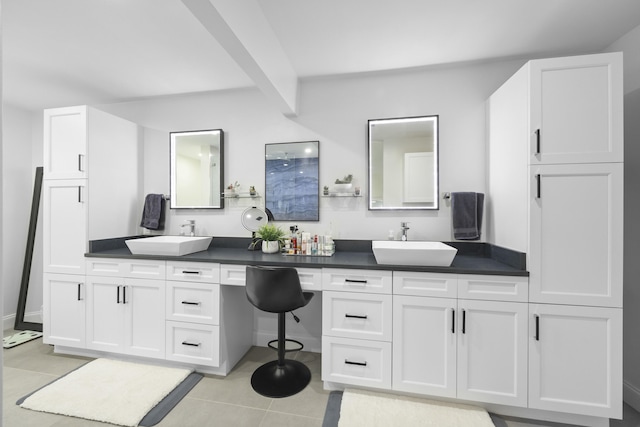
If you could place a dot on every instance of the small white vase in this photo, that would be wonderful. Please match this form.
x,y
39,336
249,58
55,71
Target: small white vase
x,y
270,247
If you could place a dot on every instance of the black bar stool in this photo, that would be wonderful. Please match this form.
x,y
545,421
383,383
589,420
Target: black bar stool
x,y
278,290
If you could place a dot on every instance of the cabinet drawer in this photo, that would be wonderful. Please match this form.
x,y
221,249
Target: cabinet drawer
x,y
136,268
371,281
310,278
495,288
425,284
193,302
193,271
192,343
357,362
232,274
357,315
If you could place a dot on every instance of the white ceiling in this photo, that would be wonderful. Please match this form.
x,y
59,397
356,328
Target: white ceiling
x,y
66,52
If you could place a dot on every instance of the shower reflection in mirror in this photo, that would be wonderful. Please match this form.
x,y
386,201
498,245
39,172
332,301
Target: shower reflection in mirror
x,y
197,169
292,187
403,163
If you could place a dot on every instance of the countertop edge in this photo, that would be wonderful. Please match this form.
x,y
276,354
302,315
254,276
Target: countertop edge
x,y
480,258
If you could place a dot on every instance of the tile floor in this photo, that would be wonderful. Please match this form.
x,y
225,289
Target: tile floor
x,y
215,401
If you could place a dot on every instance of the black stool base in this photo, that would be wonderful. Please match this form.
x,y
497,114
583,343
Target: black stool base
x,y
271,380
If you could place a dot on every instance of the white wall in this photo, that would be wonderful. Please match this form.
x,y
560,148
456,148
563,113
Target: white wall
x,y
335,112
17,185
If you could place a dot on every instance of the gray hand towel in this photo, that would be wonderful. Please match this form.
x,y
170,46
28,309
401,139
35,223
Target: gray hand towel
x,y
466,211
153,212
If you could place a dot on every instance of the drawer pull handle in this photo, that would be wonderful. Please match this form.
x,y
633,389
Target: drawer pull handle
x,y
349,362
191,344
453,321
190,303
361,282
190,272
355,316
464,321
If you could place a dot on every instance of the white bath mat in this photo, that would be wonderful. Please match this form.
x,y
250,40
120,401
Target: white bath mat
x,y
368,409
106,390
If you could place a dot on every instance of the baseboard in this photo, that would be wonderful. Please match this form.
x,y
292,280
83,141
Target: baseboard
x,y
9,321
631,395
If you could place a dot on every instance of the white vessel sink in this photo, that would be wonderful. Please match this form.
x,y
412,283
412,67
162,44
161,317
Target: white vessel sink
x,y
432,254
168,245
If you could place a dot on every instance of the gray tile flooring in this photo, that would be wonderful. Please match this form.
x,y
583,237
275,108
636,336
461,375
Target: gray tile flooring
x,y
215,401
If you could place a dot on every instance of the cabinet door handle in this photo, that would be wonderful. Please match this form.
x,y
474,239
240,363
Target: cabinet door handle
x,y
464,321
79,194
537,132
537,336
362,282
80,168
118,295
453,320
355,316
349,362
190,303
124,294
538,186
191,344
79,290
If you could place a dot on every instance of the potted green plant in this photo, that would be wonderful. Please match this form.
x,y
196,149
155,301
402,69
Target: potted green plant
x,y
343,184
271,237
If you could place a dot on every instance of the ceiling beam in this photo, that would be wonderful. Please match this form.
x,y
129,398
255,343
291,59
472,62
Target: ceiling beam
x,y
243,31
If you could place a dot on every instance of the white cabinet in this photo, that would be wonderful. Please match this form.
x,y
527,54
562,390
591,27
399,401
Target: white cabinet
x,y
472,349
576,359
576,109
87,154
559,197
65,224
424,345
357,315
556,193
357,327
126,315
64,310
492,352
576,235
65,143
198,309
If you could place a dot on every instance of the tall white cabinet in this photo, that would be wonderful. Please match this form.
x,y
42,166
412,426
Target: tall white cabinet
x,y
556,193
90,192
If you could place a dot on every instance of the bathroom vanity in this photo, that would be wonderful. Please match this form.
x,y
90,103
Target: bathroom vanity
x,y
531,331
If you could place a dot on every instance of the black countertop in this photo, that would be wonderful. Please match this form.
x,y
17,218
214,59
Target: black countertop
x,y
472,258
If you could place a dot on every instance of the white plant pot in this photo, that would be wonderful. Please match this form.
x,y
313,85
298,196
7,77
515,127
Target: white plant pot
x,y
270,247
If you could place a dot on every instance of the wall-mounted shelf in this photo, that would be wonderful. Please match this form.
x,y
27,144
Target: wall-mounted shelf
x,y
334,194
245,195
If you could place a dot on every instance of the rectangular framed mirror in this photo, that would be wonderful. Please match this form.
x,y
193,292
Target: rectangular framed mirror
x,y
292,185
197,169
403,163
